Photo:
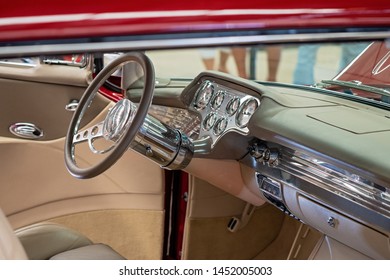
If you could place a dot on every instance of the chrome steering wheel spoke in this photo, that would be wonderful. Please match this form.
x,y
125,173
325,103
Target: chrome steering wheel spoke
x,y
89,134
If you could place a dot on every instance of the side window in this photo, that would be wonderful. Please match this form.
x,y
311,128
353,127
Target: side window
x,y
74,60
20,62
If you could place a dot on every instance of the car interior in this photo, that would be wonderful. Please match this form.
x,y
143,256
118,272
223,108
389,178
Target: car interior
x,y
109,155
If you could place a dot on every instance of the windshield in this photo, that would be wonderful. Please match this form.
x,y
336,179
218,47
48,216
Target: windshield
x,y
300,64
355,68
359,69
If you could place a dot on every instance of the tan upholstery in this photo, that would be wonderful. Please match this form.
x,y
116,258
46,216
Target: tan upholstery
x,y
49,241
44,240
10,247
90,252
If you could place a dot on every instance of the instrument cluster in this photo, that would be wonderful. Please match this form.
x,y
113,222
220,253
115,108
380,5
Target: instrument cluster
x,y
223,109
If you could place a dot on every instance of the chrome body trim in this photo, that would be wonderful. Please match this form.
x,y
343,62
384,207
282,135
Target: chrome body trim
x,y
115,44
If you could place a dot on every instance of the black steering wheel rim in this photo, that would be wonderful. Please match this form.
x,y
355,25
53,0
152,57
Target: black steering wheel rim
x,y
125,141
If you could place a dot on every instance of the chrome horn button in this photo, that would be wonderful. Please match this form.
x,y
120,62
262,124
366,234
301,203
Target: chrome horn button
x,y
118,120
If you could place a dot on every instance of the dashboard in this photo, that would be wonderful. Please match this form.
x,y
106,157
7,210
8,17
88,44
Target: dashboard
x,y
290,138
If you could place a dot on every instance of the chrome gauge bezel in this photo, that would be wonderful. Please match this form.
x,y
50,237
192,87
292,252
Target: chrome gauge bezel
x,y
209,121
218,99
241,111
220,113
220,126
230,110
204,95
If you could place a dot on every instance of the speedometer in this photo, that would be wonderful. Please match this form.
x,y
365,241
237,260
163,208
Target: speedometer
x,y
204,95
246,111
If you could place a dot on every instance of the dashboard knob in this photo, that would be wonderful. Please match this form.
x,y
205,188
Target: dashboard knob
x,y
273,157
257,151
332,222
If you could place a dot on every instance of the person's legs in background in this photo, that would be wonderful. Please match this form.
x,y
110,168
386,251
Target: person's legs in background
x,y
208,58
304,70
239,54
223,57
273,58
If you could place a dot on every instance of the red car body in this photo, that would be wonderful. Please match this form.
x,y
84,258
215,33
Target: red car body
x,y
42,19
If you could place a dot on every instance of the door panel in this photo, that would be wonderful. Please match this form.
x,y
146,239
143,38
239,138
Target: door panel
x,y
38,95
124,207
47,73
35,177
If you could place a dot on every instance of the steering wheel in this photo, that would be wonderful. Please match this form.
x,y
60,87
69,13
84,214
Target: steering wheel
x,y
119,127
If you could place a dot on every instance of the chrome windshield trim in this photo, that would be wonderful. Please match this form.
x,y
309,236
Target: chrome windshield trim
x,y
357,85
185,40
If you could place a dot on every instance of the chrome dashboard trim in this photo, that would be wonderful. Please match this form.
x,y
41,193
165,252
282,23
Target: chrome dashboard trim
x,y
347,192
221,113
184,120
339,181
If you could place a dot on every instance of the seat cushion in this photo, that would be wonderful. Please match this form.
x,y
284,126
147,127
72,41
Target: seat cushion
x,y
44,240
90,252
10,247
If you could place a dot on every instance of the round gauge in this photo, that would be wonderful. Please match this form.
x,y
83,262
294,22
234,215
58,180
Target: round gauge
x,y
209,121
220,126
232,106
204,95
218,99
246,111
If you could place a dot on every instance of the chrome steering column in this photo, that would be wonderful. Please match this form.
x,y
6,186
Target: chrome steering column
x,y
166,146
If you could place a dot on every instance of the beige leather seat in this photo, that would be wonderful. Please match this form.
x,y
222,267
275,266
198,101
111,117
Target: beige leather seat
x,y
49,241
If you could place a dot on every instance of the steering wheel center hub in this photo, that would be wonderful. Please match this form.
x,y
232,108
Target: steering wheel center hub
x,y
118,120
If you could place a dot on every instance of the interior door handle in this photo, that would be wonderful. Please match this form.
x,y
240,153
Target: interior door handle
x,y
26,130
72,106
